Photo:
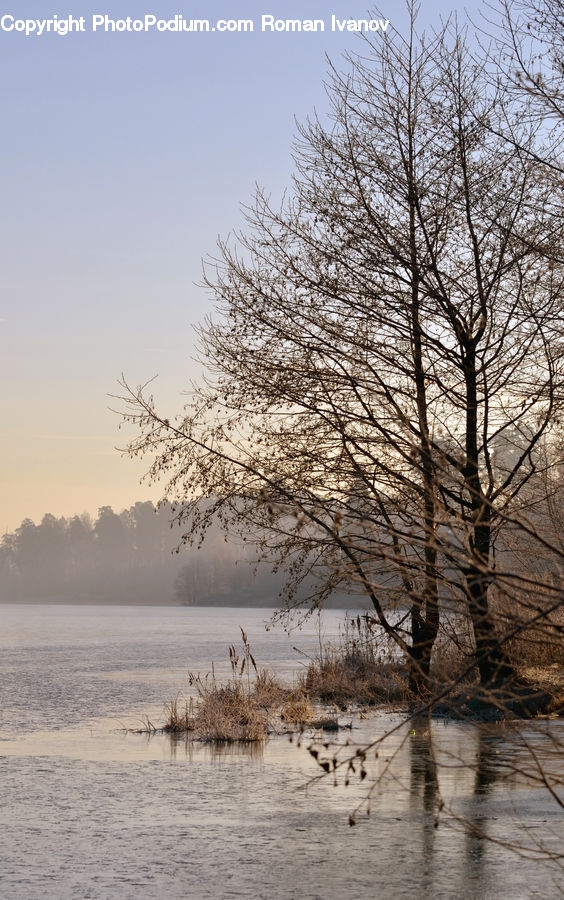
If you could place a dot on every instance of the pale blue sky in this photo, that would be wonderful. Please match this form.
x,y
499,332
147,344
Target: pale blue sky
x,y
123,156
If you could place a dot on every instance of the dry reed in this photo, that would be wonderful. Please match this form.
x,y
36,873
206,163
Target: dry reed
x,y
359,670
252,705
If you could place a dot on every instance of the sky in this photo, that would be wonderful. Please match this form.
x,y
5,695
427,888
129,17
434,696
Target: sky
x,y
123,157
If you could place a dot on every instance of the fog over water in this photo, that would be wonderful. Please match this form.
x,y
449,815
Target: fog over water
x,y
134,556
91,811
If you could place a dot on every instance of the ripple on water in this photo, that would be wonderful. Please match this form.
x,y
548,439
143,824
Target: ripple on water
x,y
92,812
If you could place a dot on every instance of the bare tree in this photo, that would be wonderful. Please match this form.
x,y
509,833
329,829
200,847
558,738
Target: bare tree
x,y
524,44
530,41
380,341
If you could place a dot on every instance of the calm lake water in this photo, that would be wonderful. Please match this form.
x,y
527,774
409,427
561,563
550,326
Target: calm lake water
x,y
92,812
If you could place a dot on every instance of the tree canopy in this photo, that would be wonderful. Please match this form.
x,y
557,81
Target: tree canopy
x,y
385,361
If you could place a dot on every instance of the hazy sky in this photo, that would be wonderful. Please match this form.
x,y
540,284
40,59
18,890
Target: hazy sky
x,y
123,156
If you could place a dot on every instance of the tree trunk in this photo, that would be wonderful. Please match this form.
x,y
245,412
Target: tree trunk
x,y
423,637
491,660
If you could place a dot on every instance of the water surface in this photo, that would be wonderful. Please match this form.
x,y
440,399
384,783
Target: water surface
x,y
92,812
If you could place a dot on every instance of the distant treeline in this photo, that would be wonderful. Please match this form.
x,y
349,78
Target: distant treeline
x,y
128,557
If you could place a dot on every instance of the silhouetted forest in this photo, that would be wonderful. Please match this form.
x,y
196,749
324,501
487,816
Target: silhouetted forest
x,y
128,557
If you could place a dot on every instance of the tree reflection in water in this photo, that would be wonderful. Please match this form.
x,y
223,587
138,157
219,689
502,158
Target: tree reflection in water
x,y
447,779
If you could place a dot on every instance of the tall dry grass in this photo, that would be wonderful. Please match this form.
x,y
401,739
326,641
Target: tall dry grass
x,y
358,670
252,705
